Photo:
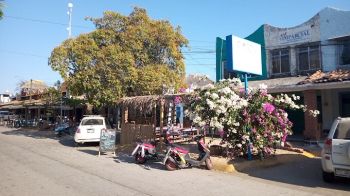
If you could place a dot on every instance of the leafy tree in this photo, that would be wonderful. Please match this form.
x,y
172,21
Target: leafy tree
x,y
125,56
1,13
52,97
57,84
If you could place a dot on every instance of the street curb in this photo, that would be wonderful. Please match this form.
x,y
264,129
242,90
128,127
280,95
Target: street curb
x,y
257,164
229,168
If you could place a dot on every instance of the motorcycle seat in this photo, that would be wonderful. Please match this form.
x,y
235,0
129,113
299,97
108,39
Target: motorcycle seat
x,y
152,143
179,146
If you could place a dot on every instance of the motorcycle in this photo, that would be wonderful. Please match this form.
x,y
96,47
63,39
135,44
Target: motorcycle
x,y
144,150
177,156
62,128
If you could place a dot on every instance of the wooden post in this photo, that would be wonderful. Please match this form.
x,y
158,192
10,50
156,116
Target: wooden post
x,y
161,125
155,115
174,114
38,117
26,117
125,114
169,114
155,120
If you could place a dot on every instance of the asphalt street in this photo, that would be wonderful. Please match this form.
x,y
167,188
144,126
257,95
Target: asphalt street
x,y
39,163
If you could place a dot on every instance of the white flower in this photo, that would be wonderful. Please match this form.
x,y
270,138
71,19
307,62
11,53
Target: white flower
x,y
214,96
239,145
269,97
262,86
225,90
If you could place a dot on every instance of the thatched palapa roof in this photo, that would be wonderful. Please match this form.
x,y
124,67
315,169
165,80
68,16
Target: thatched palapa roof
x,y
146,103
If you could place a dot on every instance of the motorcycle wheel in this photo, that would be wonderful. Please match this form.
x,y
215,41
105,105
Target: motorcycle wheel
x,y
208,163
139,159
170,165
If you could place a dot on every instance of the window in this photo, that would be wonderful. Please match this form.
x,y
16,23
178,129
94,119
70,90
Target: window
x,y
309,58
345,56
225,73
224,70
280,62
92,122
342,131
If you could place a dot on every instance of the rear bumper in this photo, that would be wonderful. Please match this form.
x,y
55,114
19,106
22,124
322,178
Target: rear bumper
x,y
329,166
83,140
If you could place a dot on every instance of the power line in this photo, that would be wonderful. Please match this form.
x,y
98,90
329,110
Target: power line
x,y
49,22
57,23
23,54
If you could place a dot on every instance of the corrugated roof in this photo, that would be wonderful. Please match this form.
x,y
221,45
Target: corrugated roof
x,y
333,76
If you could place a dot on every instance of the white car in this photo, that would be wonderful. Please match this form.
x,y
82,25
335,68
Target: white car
x,y
6,115
89,129
336,151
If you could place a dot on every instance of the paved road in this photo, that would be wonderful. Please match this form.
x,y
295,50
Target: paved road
x,y
38,163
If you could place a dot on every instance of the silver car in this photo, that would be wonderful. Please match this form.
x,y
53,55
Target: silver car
x,y
336,151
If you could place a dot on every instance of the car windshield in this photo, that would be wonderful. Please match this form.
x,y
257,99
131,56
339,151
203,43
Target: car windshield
x,y
342,131
92,122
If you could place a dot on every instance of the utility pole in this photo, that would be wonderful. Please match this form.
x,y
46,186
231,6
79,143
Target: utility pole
x,y
30,91
70,5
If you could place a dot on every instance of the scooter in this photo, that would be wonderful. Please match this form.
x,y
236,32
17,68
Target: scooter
x,y
144,150
177,156
62,128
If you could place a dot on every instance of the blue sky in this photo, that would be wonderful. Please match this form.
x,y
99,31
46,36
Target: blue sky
x,y
30,30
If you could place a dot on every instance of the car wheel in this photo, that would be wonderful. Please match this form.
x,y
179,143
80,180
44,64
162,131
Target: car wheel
x,y
139,159
76,144
327,177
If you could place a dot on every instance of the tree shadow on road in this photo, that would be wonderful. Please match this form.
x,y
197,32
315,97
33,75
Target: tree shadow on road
x,y
151,163
305,173
34,133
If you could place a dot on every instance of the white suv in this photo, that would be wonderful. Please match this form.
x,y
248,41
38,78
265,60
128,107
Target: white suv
x,y
89,129
336,151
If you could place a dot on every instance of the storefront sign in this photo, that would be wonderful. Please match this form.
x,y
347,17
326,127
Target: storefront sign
x,y
296,35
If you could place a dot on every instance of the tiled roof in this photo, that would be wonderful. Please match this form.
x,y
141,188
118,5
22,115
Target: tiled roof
x,y
334,76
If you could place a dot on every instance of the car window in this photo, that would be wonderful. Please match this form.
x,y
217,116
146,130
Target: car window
x,y
342,131
10,113
92,122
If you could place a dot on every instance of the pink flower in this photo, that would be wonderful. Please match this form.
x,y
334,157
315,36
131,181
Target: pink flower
x,y
245,112
284,138
265,135
251,146
291,124
189,86
264,92
268,108
177,100
183,89
222,132
254,130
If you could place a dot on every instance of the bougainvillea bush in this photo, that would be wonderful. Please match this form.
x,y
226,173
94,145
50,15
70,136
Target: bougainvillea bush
x,y
254,119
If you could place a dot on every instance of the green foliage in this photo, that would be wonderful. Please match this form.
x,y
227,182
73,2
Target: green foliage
x,y
52,97
125,56
1,13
